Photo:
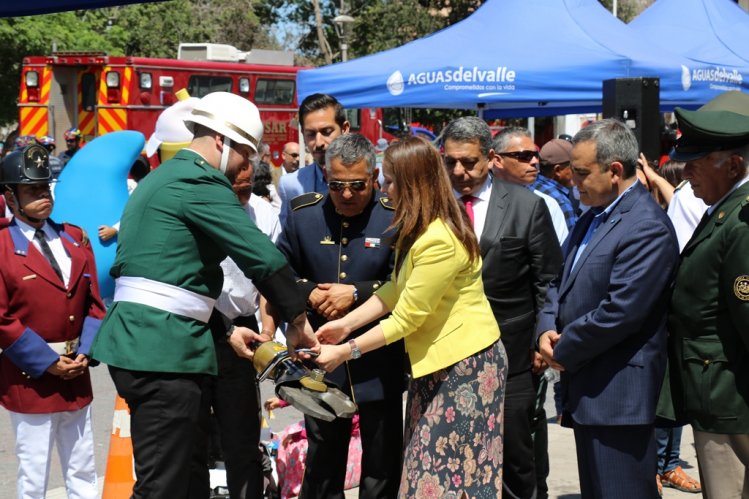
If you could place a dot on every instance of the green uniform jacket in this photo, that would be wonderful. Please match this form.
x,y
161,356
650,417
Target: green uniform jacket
x,y
179,224
709,322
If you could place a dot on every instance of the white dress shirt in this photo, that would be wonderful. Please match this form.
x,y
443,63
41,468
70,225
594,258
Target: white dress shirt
x,y
239,297
55,244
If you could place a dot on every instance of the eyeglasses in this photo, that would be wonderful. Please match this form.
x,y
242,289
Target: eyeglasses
x,y
524,156
354,185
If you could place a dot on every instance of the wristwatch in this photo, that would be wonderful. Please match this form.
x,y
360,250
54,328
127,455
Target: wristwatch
x,y
355,352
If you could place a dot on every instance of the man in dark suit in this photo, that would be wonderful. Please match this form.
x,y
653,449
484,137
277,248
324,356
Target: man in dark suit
x,y
521,255
322,119
603,324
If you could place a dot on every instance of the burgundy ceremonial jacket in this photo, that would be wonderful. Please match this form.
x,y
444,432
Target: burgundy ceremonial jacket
x,y
36,309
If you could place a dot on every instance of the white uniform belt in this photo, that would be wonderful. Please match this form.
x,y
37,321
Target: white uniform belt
x,y
62,347
65,347
163,296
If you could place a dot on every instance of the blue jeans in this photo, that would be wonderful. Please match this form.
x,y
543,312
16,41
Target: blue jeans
x,y
668,446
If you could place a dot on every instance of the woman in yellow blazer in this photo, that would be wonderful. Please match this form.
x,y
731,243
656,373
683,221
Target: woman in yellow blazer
x,y
453,437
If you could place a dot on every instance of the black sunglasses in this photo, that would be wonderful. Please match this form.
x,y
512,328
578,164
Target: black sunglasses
x,y
524,156
354,185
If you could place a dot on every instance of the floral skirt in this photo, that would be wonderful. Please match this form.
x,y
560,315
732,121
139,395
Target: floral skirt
x,y
454,427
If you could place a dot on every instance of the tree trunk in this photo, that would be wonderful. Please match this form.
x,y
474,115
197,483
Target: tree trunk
x,y
324,46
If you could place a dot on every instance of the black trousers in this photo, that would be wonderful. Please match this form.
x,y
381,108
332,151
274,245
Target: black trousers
x,y
381,426
518,467
235,397
164,422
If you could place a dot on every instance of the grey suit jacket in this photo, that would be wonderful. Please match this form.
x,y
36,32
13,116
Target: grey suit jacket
x,y
521,256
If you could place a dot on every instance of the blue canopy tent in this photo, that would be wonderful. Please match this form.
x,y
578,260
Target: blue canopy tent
x,y
13,9
518,57
710,32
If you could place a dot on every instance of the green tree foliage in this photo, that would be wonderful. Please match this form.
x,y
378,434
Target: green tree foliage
x,y
146,30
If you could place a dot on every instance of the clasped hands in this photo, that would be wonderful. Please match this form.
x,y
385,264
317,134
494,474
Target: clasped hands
x,y
67,368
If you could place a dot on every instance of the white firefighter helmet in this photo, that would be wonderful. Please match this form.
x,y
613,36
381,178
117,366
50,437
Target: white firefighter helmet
x,y
232,116
170,133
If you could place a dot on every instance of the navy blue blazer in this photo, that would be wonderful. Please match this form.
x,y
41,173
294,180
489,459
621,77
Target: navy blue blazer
x,y
610,311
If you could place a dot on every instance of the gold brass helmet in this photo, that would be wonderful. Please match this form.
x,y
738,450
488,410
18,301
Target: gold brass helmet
x,y
304,388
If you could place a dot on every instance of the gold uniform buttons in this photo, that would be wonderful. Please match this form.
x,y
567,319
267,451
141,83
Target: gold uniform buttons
x,y
375,286
346,225
344,258
342,275
69,295
344,241
71,318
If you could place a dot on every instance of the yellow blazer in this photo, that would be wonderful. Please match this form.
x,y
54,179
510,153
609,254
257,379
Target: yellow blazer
x,y
438,303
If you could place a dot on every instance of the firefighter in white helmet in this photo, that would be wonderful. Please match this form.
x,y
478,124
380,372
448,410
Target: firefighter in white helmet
x,y
178,226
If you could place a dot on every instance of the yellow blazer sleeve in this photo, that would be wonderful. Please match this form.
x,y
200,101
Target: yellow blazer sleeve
x,y
433,269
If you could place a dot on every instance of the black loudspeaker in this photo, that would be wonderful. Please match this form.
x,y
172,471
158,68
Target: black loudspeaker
x,y
636,101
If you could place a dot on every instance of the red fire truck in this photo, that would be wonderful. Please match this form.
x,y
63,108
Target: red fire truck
x,y
99,93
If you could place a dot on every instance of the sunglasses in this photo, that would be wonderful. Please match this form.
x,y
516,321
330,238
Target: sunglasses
x,y
524,156
354,185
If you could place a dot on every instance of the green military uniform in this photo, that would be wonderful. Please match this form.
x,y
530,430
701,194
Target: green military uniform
x,y
180,223
709,322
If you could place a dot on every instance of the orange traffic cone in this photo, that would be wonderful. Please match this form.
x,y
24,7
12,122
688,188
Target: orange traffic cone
x,y
120,475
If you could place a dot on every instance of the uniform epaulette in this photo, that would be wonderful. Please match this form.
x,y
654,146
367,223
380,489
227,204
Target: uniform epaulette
x,y
387,203
306,199
84,234
681,184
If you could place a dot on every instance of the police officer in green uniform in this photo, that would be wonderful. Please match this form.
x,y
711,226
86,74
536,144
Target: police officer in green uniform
x,y
178,226
339,246
709,311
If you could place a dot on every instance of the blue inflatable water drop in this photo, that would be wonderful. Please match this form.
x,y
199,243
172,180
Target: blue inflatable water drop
x,y
92,191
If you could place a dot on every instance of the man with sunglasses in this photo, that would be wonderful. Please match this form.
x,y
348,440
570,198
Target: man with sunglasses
x,y
322,119
339,247
516,161
521,256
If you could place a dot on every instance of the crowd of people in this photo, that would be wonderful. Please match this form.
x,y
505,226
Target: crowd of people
x,y
458,274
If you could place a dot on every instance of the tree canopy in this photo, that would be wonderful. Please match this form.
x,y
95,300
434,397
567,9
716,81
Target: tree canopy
x,y
147,30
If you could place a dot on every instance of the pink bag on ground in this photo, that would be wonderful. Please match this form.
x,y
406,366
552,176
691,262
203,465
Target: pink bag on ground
x,y
292,451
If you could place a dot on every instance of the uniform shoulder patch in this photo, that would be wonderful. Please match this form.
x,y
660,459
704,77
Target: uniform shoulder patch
x,y
741,287
73,233
306,199
387,203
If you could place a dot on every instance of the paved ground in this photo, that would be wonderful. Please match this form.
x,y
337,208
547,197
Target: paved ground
x,y
563,482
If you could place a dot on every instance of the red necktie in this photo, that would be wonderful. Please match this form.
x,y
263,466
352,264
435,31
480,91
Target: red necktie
x,y
468,202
